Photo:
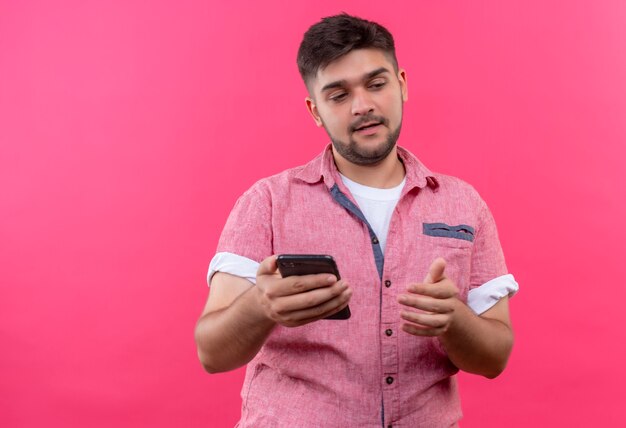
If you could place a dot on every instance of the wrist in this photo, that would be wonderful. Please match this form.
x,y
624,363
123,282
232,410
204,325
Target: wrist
x,y
256,309
458,320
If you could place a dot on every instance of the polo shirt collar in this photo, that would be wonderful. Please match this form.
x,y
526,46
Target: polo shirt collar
x,y
323,168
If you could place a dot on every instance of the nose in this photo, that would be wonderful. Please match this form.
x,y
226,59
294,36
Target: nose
x,y
362,103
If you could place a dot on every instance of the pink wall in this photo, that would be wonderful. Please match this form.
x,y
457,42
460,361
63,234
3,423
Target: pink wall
x,y
129,128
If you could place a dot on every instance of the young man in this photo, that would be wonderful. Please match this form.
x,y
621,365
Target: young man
x,y
421,265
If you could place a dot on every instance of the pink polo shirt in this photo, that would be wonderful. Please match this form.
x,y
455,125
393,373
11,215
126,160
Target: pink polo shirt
x,y
365,371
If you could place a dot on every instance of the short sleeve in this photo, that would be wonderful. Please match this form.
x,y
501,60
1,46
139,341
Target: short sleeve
x,y
487,256
248,230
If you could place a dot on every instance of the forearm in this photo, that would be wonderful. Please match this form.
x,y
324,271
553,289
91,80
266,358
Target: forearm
x,y
230,337
477,344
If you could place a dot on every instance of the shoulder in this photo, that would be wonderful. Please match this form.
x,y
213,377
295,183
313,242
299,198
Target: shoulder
x,y
454,187
445,187
276,184
462,196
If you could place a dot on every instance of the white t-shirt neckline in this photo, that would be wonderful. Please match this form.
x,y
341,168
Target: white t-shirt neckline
x,y
373,193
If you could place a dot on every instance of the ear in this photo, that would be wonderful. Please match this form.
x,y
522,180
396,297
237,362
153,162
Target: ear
x,y
312,109
403,84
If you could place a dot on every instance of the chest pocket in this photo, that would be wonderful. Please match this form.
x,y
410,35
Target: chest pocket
x,y
454,243
461,232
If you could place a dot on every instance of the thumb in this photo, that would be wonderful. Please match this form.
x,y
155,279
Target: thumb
x,y
267,266
435,272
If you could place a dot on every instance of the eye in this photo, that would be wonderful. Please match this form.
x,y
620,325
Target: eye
x,y
377,84
338,97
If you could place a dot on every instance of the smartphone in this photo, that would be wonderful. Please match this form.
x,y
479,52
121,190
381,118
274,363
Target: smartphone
x,y
311,264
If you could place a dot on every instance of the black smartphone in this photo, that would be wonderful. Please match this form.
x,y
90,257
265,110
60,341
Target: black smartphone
x,y
311,264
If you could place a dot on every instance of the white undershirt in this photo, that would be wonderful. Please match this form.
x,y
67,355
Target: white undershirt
x,y
377,205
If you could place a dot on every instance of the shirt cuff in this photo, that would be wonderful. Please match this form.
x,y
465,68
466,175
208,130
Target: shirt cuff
x,y
233,264
482,298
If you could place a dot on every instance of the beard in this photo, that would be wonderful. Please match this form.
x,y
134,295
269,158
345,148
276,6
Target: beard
x,y
359,155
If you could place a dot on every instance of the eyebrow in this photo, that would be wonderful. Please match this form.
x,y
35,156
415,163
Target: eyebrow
x,y
367,76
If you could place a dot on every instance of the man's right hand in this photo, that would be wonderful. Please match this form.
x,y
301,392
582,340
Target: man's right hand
x,y
298,300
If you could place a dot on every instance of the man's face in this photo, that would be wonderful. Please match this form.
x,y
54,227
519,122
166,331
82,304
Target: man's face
x,y
358,99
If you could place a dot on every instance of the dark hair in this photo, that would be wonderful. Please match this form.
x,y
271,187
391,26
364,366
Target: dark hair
x,y
335,36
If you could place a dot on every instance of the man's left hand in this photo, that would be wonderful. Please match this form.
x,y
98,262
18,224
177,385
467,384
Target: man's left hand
x,y
435,300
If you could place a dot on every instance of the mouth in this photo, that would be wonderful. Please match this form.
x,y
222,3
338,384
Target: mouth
x,y
368,126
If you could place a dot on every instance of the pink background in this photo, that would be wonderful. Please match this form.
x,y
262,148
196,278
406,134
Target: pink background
x,y
129,128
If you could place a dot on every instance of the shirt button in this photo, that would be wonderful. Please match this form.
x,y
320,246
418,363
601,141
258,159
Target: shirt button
x,y
374,240
389,332
389,380
387,283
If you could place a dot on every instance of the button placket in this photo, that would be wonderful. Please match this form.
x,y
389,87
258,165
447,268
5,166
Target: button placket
x,y
389,345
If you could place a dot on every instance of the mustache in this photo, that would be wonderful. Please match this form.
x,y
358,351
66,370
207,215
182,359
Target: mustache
x,y
365,119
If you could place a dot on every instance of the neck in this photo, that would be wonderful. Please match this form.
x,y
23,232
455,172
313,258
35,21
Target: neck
x,y
385,174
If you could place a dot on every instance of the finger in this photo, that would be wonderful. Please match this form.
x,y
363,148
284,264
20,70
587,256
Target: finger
x,y
302,283
441,290
436,321
314,313
268,266
425,303
328,308
274,285
422,331
435,271
308,299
